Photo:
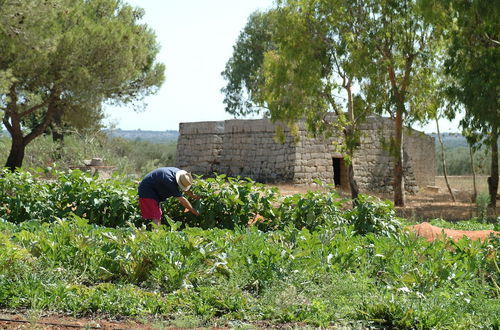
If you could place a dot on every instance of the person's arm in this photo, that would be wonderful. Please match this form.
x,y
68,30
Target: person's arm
x,y
187,205
190,194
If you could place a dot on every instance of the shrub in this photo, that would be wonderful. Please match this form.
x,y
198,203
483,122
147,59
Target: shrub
x,y
226,203
46,195
31,196
311,210
371,215
482,202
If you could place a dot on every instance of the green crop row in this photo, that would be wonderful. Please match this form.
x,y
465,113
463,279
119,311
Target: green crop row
x,y
46,195
326,276
226,203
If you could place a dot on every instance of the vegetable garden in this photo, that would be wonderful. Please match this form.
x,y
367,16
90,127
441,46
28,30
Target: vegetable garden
x,y
73,244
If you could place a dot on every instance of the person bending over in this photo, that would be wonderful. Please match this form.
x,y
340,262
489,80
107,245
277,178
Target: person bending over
x,y
160,184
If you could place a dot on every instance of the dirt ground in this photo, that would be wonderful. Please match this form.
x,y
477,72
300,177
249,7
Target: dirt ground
x,y
431,232
15,321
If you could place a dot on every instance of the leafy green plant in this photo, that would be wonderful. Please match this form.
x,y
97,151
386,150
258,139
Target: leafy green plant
x,y
46,195
311,210
226,203
472,224
326,276
371,215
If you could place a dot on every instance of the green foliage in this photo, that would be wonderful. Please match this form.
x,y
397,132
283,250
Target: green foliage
x,y
68,57
30,196
312,210
473,49
371,215
227,203
309,259
458,161
47,195
323,277
243,70
473,224
482,202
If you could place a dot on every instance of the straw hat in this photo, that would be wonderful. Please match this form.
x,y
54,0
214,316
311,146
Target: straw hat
x,y
184,179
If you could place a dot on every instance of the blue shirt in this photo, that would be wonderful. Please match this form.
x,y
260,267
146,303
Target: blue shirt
x,y
160,184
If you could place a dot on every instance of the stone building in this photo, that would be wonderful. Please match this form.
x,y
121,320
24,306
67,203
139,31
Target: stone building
x,y
249,148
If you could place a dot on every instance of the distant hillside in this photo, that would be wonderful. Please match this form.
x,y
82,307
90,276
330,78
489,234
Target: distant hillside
x,y
451,140
140,135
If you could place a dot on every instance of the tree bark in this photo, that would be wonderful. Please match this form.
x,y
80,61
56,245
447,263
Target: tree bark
x,y
493,179
57,132
57,127
353,185
16,154
443,161
349,132
399,198
12,121
399,95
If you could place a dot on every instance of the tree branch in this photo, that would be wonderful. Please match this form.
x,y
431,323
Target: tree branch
x,y
408,67
33,109
496,42
39,129
6,123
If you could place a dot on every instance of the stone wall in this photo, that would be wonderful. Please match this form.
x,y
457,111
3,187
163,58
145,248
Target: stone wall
x,y
313,160
248,148
373,165
199,146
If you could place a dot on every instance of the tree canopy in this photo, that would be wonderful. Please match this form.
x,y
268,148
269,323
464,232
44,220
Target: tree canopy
x,y
296,59
473,58
61,55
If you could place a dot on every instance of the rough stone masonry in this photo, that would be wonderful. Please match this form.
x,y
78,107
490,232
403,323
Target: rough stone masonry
x,y
249,148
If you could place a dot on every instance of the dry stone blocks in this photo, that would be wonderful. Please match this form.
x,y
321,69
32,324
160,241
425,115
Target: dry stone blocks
x,y
248,148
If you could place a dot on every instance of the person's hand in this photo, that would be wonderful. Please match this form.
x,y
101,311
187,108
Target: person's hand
x,y
194,211
196,197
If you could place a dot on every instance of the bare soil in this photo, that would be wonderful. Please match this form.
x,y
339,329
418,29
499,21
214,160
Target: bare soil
x,y
20,320
432,233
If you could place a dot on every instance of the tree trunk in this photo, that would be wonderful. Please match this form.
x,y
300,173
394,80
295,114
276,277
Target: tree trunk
x,y
399,197
349,141
12,121
493,179
353,184
57,127
399,95
473,169
16,154
443,161
57,133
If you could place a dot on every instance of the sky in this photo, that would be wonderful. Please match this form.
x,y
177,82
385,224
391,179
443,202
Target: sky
x,y
196,39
